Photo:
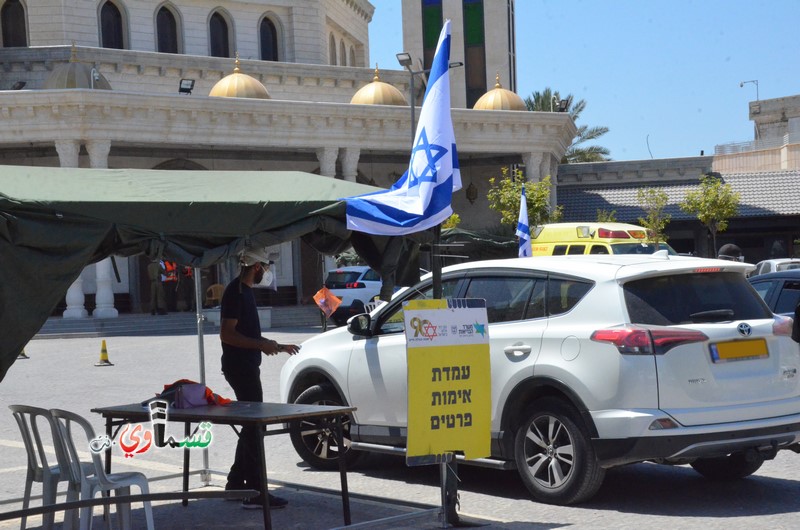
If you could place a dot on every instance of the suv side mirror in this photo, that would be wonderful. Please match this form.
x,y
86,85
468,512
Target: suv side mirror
x,y
360,325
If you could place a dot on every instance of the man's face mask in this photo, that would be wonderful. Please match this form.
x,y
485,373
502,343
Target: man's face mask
x,y
264,276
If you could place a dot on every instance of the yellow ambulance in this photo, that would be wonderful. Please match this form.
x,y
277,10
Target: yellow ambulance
x,y
559,239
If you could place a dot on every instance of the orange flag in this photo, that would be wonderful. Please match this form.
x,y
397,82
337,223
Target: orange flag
x,y
327,301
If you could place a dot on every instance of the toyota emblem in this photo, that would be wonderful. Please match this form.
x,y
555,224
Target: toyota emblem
x,y
744,329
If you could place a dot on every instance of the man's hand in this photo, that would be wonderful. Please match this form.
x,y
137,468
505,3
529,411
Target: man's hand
x,y
272,347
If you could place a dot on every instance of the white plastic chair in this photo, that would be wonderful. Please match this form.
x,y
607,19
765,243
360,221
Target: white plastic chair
x,y
89,485
30,421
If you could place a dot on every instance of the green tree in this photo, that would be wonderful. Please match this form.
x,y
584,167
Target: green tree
x,y
548,101
604,216
452,221
653,201
713,204
504,195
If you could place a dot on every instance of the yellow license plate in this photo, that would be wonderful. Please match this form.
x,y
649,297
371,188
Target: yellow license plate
x,y
739,350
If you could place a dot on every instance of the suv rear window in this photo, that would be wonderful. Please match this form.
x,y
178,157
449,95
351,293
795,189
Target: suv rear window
x,y
690,298
338,279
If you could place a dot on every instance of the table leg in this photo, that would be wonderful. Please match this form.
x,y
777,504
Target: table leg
x,y
109,429
342,469
186,427
264,488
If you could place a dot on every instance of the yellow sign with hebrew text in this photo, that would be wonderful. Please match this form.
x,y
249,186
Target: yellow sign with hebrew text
x,y
449,379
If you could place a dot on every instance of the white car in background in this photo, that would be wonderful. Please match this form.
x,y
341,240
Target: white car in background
x,y
356,286
775,265
596,362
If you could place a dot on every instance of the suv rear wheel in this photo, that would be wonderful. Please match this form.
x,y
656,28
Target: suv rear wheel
x,y
731,467
316,442
554,457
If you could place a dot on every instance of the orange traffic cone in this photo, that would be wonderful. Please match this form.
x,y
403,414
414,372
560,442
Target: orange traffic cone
x,y
103,356
23,355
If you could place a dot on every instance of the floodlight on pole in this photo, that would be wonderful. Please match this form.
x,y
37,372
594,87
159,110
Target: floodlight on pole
x,y
755,82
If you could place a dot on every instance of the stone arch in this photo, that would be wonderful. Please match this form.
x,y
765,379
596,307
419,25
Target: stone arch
x,y
271,38
221,33
14,22
112,18
168,25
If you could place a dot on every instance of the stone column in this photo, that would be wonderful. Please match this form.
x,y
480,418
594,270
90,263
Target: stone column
x,y
98,153
350,157
75,301
532,163
553,172
104,298
327,160
68,152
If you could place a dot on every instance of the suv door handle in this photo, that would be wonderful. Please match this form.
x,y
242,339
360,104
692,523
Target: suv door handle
x,y
517,349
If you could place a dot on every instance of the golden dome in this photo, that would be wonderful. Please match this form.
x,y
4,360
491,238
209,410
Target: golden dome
x,y
499,98
239,85
378,93
75,75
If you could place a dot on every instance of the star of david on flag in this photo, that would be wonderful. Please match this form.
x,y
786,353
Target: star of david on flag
x,y
523,230
422,197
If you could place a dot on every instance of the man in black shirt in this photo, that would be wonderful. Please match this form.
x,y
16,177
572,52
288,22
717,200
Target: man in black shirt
x,y
242,345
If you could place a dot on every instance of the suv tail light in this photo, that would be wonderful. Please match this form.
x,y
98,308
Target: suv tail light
x,y
782,325
354,285
644,341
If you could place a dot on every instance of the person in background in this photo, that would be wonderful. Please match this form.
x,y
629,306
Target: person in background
x,y
242,346
186,289
170,280
730,252
158,302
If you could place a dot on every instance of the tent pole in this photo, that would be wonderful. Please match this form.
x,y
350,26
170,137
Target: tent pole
x,y
205,475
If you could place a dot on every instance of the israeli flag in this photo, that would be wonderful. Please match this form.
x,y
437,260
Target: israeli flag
x,y
523,230
422,197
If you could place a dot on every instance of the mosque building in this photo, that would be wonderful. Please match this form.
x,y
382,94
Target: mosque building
x,y
257,86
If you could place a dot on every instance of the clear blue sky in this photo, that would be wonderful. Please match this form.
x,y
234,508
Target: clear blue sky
x,y
669,70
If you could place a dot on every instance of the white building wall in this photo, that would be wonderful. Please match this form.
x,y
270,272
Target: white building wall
x,y
302,25
310,37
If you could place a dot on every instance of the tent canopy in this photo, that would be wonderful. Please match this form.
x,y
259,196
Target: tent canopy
x,y
56,221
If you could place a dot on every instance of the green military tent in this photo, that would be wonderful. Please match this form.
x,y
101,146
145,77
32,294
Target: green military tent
x,y
56,221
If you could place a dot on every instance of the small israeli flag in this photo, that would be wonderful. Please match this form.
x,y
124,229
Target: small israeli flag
x,y
422,197
523,230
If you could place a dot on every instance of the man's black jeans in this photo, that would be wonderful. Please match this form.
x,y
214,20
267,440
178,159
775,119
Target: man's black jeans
x,y
245,468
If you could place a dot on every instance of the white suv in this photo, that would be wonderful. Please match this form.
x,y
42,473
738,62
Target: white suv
x,y
597,361
356,285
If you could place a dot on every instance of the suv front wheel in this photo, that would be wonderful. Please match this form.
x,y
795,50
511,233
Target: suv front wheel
x,y
314,441
554,456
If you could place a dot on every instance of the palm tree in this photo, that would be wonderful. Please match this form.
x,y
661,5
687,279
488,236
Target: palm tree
x,y
548,101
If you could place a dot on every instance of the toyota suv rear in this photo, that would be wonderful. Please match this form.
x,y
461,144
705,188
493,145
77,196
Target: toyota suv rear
x,y
596,362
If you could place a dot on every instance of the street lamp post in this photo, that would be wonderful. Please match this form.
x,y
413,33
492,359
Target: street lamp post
x,y
755,82
404,58
448,473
